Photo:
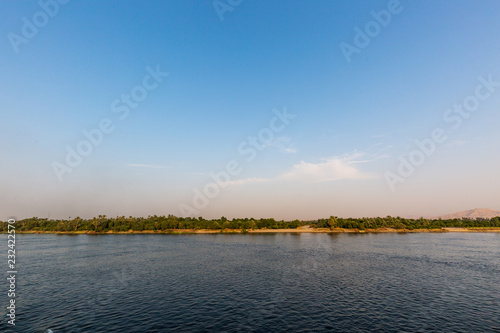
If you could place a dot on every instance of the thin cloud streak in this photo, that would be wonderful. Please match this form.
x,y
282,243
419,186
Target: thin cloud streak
x,y
246,181
283,144
150,166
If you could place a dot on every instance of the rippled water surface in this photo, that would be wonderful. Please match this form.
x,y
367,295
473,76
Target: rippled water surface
x,y
263,283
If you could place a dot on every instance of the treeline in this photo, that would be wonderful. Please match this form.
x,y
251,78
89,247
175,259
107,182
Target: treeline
x,y
402,223
102,223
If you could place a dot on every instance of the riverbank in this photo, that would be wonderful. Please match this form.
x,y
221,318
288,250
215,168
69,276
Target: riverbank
x,y
267,231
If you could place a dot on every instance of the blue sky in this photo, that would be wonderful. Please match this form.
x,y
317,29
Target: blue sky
x,y
354,122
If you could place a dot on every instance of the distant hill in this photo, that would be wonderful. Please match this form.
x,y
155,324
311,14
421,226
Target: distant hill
x,y
484,213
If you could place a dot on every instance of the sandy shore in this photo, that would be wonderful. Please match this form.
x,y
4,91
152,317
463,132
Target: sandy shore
x,y
266,231
379,230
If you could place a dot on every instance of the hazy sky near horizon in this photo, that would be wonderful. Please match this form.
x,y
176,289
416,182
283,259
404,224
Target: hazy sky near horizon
x,y
302,109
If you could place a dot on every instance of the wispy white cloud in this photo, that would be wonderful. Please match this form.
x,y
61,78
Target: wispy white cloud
x,y
330,169
333,168
148,166
289,150
283,144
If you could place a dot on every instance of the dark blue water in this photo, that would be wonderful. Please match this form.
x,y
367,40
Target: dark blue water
x,y
262,283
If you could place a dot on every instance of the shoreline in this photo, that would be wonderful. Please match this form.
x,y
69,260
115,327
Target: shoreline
x,y
267,231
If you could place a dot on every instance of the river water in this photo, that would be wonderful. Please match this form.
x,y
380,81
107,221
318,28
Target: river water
x,y
446,282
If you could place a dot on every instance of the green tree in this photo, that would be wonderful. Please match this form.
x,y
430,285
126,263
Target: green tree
x,y
332,222
75,223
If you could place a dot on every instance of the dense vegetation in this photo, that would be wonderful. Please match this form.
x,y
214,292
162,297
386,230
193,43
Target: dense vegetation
x,y
102,223
402,223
